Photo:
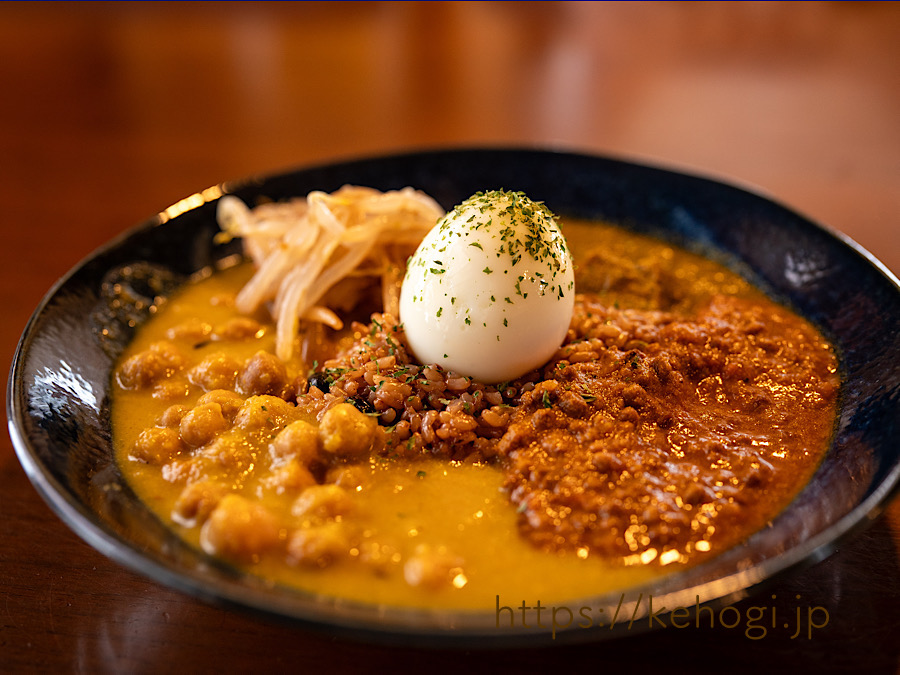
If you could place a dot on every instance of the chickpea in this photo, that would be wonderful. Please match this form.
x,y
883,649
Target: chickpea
x,y
238,528
348,476
346,432
323,501
197,501
201,424
319,545
230,454
193,329
432,567
291,476
159,361
259,412
172,415
183,469
157,445
264,373
298,439
239,328
171,389
169,354
229,400
215,372
131,375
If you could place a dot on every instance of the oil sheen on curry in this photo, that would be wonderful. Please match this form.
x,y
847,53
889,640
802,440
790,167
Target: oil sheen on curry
x,y
677,411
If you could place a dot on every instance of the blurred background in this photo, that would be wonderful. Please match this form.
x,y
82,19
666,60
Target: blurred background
x,y
112,111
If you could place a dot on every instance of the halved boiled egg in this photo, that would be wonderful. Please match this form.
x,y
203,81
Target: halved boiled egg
x,y
490,290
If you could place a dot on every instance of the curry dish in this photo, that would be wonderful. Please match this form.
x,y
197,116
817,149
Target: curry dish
x,y
683,411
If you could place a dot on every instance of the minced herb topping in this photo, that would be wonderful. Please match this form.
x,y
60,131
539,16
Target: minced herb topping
x,y
523,227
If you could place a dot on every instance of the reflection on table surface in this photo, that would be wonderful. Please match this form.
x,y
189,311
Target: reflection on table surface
x,y
113,111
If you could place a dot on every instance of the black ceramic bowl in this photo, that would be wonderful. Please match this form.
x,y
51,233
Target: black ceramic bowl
x,y
58,387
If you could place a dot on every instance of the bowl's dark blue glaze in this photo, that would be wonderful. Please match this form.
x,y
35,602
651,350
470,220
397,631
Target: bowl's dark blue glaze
x,y
58,386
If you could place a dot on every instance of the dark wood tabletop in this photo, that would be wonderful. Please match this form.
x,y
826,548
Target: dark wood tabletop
x,y
112,112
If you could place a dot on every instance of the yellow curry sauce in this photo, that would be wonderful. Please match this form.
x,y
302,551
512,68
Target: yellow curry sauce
x,y
684,411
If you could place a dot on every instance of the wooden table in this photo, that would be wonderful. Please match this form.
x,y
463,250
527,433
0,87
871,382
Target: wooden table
x,y
111,112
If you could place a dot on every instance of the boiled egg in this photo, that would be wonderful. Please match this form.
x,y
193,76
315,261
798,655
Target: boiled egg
x,y
490,290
